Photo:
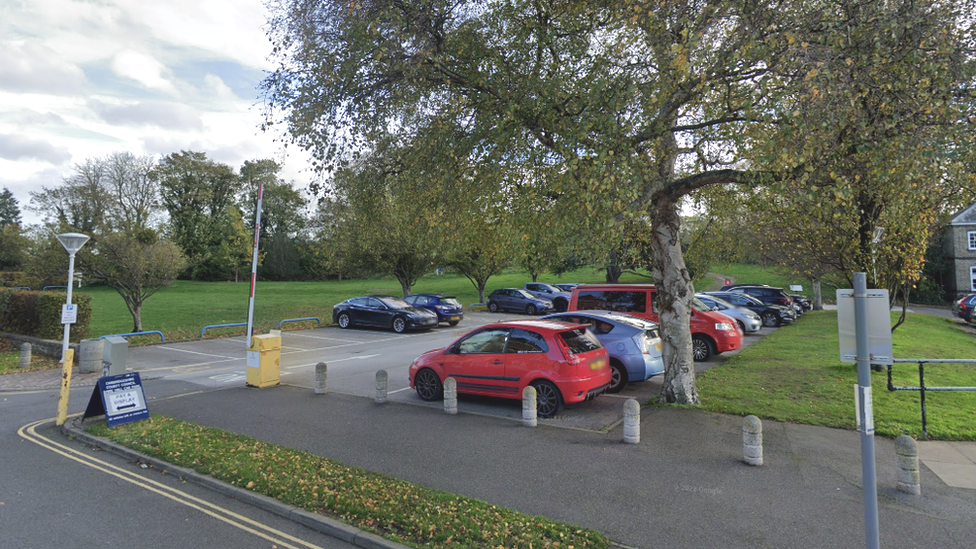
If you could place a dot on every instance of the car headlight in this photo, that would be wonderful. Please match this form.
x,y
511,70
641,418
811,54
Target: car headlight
x,y
724,327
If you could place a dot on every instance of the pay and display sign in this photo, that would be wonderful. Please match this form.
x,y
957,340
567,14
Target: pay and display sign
x,y
120,398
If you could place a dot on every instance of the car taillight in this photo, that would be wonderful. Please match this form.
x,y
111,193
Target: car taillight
x,y
564,349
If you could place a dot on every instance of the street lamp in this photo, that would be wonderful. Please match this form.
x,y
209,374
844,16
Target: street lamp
x,y
72,242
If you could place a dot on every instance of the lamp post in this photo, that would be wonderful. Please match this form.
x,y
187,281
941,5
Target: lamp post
x,y
72,242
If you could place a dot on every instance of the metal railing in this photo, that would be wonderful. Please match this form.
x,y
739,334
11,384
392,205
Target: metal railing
x,y
162,338
921,388
46,288
315,318
205,328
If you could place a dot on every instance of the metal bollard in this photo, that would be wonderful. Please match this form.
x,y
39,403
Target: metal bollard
x,y
908,476
631,421
25,355
321,374
450,396
530,409
381,381
752,440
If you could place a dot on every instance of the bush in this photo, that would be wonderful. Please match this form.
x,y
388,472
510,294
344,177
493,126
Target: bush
x,y
13,279
38,314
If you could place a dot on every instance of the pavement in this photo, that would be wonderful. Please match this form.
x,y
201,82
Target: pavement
x,y
684,485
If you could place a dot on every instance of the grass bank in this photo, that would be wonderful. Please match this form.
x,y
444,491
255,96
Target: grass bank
x,y
795,375
398,510
10,359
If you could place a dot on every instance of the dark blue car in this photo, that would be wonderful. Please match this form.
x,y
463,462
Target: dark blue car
x,y
447,307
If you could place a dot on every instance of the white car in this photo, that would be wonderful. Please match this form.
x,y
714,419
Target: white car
x,y
747,320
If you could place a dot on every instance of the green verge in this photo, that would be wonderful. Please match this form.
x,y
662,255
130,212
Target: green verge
x,y
397,510
795,375
10,360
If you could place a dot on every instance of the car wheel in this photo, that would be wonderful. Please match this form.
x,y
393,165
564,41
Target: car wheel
x,y
453,322
701,348
343,320
530,309
492,306
742,326
770,319
428,385
618,377
560,305
548,400
399,324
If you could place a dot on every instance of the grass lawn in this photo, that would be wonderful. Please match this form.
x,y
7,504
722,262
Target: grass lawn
x,y
183,309
795,375
398,510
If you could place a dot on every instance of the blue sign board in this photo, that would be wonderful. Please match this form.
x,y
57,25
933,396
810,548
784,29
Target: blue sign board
x,y
122,400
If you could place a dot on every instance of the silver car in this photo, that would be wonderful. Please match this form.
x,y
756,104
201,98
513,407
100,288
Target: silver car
x,y
747,320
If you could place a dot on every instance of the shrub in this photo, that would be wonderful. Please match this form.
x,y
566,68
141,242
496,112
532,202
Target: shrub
x,y
38,314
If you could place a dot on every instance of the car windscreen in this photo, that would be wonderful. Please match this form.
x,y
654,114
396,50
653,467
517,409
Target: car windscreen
x,y
700,305
450,301
633,322
753,300
580,341
523,293
395,303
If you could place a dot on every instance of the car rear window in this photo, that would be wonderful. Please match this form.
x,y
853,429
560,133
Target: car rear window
x,y
450,301
580,341
622,301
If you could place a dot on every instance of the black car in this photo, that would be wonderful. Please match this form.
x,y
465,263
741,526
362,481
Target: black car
x,y
382,312
767,294
771,315
446,307
803,301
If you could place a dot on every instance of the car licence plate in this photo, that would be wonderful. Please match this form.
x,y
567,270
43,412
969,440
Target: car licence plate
x,y
454,318
597,364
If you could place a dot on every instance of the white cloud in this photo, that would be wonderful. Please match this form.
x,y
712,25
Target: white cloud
x,y
142,68
17,147
33,67
169,115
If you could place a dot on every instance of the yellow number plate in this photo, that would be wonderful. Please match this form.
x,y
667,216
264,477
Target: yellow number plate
x,y
598,364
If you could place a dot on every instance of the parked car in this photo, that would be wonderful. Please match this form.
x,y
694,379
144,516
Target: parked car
x,y
806,304
559,298
772,315
747,320
382,312
566,286
711,333
634,344
762,292
446,307
963,307
516,300
564,362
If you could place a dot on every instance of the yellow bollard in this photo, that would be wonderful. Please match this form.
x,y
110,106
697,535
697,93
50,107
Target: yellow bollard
x,y
69,359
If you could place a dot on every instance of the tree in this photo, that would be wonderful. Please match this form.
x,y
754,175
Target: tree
x,y
9,209
136,265
197,193
634,104
13,247
80,203
133,190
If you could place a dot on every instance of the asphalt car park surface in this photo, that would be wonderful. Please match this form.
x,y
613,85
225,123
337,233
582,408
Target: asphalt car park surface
x,y
355,355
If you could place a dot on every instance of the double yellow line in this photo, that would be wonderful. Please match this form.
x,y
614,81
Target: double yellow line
x,y
281,539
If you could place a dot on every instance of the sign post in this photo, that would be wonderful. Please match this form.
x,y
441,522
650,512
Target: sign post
x,y
869,346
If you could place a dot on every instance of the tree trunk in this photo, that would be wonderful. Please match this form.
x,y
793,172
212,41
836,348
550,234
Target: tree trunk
x,y
136,311
405,286
613,274
817,296
674,293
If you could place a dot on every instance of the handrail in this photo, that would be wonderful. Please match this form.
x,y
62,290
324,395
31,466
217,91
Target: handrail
x,y
471,308
20,288
162,338
205,328
315,318
921,381
46,288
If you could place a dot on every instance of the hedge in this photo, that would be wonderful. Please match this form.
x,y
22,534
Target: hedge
x,y
38,314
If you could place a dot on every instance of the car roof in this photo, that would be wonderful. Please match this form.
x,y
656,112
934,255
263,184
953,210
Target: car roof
x,y
611,286
538,324
609,316
432,295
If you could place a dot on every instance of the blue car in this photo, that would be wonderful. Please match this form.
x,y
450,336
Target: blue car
x,y
634,344
519,301
447,307
559,298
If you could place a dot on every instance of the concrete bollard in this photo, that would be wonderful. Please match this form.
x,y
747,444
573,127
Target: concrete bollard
x,y
450,396
752,440
90,355
530,407
381,381
25,356
908,476
321,375
631,421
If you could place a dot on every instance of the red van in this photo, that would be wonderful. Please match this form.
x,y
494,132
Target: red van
x,y
711,333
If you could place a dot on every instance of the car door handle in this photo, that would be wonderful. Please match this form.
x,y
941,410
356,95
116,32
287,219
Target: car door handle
x,y
499,362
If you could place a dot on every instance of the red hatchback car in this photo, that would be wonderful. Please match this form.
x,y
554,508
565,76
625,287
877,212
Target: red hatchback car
x,y
563,361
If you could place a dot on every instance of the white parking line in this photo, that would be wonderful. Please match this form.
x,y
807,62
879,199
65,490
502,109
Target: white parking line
x,y
290,334
364,357
196,352
398,391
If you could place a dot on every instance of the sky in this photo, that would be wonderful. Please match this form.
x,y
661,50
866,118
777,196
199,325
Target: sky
x,y
82,79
